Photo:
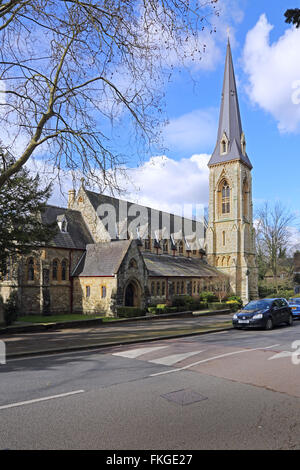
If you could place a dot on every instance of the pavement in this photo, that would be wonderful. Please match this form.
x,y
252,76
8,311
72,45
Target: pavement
x,y
20,342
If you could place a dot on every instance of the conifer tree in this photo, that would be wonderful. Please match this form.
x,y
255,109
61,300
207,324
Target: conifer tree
x,y
21,201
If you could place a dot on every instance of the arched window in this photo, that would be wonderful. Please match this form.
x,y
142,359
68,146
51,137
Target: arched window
x,y
180,247
223,238
132,263
30,269
64,267
55,270
158,288
224,144
103,292
152,288
165,246
225,198
245,199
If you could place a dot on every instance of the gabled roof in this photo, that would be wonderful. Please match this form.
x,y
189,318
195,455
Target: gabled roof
x,y
127,212
102,259
230,119
178,266
77,235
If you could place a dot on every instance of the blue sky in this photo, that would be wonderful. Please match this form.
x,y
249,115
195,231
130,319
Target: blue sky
x,y
274,153
266,54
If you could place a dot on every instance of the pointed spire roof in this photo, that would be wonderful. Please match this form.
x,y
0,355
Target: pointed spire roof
x,y
230,124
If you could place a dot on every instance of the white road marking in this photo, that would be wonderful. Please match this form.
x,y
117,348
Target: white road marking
x,y
174,358
133,353
37,400
212,359
281,354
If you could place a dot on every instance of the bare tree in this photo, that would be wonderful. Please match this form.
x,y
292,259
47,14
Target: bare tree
x,y
72,69
272,236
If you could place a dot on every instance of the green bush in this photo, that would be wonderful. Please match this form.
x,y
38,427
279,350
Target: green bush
x,y
11,308
237,299
202,306
128,312
286,294
181,300
152,310
233,304
161,308
217,306
207,296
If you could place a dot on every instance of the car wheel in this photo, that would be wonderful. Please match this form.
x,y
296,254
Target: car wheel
x,y
290,321
269,324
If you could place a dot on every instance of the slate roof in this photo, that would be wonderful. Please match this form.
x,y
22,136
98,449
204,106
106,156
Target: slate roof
x,y
77,235
102,259
230,119
178,266
148,217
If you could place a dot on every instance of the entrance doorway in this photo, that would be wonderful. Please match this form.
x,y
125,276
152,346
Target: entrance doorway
x,y
132,295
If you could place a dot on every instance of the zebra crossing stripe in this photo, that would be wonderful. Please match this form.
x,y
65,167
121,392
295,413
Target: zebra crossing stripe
x,y
174,358
133,353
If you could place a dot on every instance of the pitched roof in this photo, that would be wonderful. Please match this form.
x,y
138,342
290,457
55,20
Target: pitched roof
x,y
77,235
178,266
230,119
165,223
102,259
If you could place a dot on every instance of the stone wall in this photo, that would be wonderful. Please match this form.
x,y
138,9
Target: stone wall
x,y
88,295
43,294
133,271
230,237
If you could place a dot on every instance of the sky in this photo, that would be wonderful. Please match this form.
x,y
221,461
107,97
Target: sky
x,y
266,55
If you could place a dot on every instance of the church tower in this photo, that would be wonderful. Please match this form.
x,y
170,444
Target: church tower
x,y
230,235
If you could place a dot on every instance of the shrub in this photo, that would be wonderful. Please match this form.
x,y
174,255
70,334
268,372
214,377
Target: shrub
x,y
181,300
233,304
128,312
286,294
161,308
237,299
11,308
217,306
207,296
152,310
202,305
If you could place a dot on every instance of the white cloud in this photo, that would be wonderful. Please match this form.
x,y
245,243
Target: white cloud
x,y
161,183
193,130
274,73
167,184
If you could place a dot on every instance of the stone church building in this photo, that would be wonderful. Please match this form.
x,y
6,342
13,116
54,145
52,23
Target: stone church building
x,y
109,253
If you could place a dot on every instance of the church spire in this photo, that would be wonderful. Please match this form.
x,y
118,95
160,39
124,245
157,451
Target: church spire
x,y
231,143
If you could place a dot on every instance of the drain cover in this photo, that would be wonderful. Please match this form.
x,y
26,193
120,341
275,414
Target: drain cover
x,y
184,397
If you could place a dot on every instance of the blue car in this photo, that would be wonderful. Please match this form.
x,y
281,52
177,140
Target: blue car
x,y
295,306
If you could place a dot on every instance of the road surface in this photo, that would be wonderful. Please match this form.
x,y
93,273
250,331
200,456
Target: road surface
x,y
226,390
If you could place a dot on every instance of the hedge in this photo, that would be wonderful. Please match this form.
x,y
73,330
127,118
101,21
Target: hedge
x,y
128,312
